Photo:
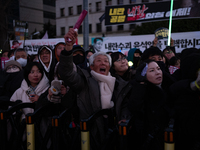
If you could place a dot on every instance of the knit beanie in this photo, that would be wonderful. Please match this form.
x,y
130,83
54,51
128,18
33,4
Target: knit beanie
x,y
151,52
138,51
78,48
12,62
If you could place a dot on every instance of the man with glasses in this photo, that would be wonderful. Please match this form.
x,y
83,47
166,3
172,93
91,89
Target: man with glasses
x,y
168,53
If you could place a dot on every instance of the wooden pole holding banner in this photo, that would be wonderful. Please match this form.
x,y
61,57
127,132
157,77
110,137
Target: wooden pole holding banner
x,y
170,23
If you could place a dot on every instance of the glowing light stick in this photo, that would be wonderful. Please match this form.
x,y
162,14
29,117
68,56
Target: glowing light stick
x,y
170,23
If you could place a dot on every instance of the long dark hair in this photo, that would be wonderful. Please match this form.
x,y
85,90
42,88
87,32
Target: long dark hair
x,y
28,68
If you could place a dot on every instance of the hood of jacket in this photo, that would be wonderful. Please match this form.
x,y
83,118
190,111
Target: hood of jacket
x,y
47,69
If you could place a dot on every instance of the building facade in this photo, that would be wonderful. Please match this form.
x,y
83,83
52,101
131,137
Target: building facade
x,y
36,13
68,11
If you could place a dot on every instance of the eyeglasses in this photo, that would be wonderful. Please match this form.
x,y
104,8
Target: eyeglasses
x,y
45,52
168,52
120,59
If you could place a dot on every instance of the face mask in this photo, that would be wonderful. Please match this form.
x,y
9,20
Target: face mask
x,y
135,61
22,61
78,59
36,60
12,58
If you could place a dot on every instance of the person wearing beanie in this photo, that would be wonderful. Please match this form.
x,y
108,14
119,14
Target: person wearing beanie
x,y
46,58
120,67
79,56
12,66
153,53
148,106
10,79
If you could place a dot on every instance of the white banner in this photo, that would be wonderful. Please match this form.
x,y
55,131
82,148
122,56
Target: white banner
x,y
124,43
32,46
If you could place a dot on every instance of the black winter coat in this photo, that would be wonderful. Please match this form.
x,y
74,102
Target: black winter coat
x,y
150,116
187,115
10,82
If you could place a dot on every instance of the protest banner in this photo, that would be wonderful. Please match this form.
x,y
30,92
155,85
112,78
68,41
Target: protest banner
x,y
182,40
150,12
32,46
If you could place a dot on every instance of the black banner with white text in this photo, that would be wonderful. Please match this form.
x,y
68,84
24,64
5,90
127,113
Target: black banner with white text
x,y
150,12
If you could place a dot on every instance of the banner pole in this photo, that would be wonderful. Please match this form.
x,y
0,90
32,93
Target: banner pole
x,y
170,23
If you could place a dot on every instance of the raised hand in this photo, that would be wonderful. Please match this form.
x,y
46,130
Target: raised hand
x,y
72,35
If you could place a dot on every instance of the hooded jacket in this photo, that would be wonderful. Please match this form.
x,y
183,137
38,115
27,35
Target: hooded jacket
x,y
49,71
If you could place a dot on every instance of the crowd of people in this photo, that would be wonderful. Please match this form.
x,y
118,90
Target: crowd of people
x,y
159,86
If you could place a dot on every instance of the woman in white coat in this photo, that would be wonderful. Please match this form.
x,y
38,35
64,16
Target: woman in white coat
x,y
34,84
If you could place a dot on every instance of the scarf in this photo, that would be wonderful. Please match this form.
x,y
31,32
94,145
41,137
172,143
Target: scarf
x,y
106,84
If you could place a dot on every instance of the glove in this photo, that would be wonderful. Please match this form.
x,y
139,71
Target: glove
x,y
140,75
56,89
196,84
56,86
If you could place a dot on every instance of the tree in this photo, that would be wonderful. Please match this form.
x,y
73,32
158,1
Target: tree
x,y
51,29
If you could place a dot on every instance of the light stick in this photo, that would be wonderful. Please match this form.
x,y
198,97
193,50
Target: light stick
x,y
170,23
